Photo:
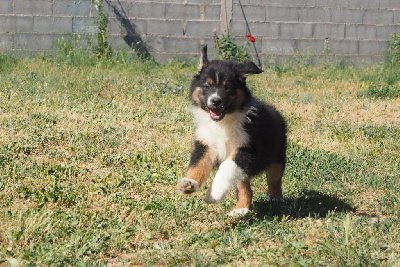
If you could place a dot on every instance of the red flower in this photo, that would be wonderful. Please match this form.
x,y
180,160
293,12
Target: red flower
x,y
250,37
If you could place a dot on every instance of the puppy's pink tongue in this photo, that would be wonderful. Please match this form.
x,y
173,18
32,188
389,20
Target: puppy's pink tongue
x,y
215,112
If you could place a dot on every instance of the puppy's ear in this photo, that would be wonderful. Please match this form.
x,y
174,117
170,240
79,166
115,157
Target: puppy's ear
x,y
203,58
246,68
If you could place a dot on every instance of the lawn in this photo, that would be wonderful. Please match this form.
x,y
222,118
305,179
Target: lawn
x,y
91,150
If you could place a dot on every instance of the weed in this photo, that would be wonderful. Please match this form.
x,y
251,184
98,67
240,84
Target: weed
x,y
385,81
77,49
103,48
382,82
393,52
72,51
7,62
379,90
227,49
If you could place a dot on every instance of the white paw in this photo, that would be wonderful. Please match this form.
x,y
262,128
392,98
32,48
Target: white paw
x,y
214,194
271,198
227,175
187,185
208,198
239,212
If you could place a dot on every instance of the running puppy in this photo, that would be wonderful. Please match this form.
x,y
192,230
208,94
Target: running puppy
x,y
233,128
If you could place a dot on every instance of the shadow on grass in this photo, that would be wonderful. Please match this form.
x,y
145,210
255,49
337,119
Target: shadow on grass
x,y
318,168
310,204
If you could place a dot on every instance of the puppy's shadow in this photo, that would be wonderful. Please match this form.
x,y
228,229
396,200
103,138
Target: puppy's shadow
x,y
311,203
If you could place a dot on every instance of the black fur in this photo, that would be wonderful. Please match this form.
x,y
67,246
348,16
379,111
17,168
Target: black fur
x,y
267,131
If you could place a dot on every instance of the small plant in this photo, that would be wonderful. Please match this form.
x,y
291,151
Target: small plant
x,y
103,48
227,49
71,51
347,231
381,82
7,61
393,52
381,90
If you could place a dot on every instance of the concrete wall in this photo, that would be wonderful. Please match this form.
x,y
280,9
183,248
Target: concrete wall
x,y
354,29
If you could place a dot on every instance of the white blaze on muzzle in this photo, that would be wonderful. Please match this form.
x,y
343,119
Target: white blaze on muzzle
x,y
210,98
215,107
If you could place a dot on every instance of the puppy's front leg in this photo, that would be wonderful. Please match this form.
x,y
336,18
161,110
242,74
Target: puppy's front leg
x,y
228,174
200,166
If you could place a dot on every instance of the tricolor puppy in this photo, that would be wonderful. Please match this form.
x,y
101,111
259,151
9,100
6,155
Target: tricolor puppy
x,y
233,128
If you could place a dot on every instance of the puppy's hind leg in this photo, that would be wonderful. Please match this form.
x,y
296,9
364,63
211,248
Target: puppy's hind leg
x,y
274,181
244,195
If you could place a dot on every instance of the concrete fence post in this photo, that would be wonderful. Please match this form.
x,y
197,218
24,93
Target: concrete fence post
x,y
226,15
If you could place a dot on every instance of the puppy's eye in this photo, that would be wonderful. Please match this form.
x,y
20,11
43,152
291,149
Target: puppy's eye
x,y
206,86
228,87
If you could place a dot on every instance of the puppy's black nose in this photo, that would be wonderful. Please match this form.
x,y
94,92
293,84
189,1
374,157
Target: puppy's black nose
x,y
216,101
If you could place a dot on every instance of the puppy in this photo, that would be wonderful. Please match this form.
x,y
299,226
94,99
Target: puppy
x,y
233,128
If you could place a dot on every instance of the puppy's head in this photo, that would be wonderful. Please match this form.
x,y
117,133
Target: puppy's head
x,y
220,86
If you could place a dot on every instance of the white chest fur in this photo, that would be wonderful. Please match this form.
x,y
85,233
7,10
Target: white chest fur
x,y
223,137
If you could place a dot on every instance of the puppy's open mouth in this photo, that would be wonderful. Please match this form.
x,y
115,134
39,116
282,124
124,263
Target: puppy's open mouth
x,y
217,114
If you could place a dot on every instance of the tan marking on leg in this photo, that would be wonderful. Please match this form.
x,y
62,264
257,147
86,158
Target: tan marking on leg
x,y
201,171
274,179
244,195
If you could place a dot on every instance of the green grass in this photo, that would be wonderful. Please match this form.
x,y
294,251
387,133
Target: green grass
x,y
91,150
